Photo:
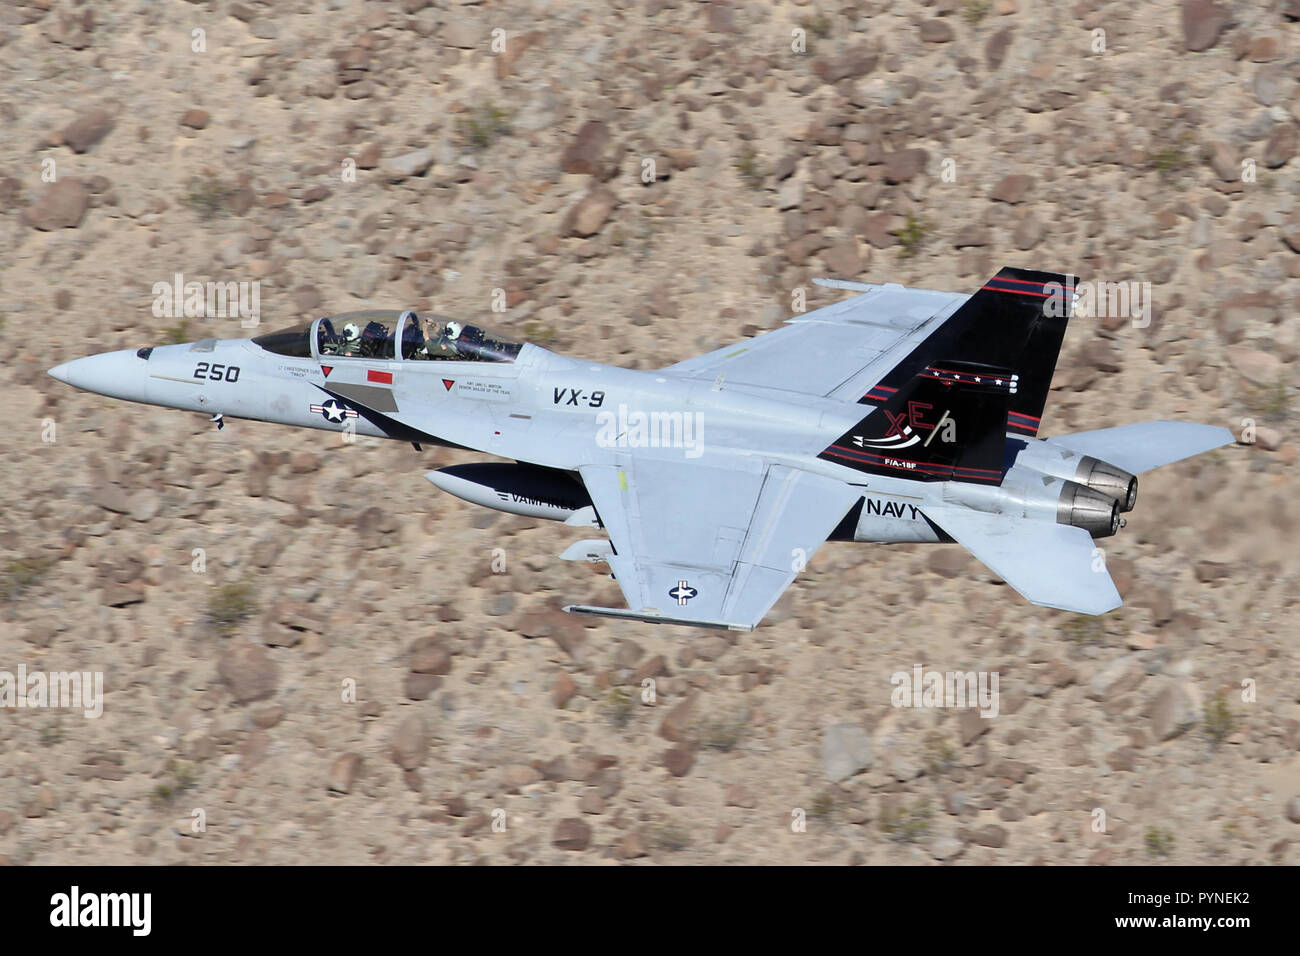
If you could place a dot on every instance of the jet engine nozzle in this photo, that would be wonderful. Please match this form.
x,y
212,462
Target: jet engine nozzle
x,y
1112,482
1094,512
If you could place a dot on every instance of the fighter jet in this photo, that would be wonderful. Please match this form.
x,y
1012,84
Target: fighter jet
x,y
896,415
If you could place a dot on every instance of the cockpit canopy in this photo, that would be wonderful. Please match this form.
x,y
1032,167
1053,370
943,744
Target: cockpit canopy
x,y
376,334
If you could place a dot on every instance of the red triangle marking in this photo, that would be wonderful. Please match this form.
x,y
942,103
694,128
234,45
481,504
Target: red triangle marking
x,y
447,383
327,369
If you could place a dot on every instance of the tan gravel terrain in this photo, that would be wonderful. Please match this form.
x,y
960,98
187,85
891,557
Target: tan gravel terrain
x,y
313,653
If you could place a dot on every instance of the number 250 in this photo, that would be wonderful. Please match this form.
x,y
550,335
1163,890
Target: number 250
x,y
217,373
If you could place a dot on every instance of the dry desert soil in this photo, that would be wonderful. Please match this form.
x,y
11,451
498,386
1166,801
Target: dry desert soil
x,y
318,657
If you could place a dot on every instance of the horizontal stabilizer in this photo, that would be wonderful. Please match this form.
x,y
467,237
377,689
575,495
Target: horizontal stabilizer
x,y
1055,565
1146,445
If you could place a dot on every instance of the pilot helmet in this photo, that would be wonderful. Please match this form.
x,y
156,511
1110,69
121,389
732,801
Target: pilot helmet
x,y
351,332
453,329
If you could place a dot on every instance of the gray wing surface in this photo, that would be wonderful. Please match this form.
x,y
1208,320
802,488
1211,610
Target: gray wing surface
x,y
1049,564
715,547
839,351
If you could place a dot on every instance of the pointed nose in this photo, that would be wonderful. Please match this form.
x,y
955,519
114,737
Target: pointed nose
x,y
115,374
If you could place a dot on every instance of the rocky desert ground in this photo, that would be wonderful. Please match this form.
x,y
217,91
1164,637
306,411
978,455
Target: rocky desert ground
x,y
312,656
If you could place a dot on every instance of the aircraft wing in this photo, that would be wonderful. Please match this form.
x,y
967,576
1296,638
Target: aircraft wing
x,y
709,546
839,351
1049,564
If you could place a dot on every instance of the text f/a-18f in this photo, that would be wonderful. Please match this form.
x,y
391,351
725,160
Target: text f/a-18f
x,y
897,415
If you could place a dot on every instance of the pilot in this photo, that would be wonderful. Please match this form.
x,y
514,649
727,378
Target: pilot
x,y
351,340
444,347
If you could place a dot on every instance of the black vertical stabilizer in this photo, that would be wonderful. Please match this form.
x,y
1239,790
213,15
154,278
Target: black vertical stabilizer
x,y
948,423
1016,321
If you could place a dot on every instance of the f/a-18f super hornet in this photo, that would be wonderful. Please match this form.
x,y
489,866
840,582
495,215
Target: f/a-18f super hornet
x,y
896,415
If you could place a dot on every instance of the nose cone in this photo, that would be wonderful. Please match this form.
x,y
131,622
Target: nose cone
x,y
115,374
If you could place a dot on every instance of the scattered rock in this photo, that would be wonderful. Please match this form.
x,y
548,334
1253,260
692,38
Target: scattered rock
x,y
1173,711
1281,145
1209,572
585,153
632,847
463,32
430,656
992,835
995,48
904,165
846,750
1118,677
1028,232
1225,162
571,833
936,31
1267,439
1100,354
88,129
196,118
363,278
1203,20
679,760
842,259
414,163
949,562
117,594
676,725
248,671
879,229
144,505
368,156
971,235
518,776
409,746
1259,367
970,725
946,848
62,205
111,498
563,690
1123,760
343,773
589,214
1012,189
